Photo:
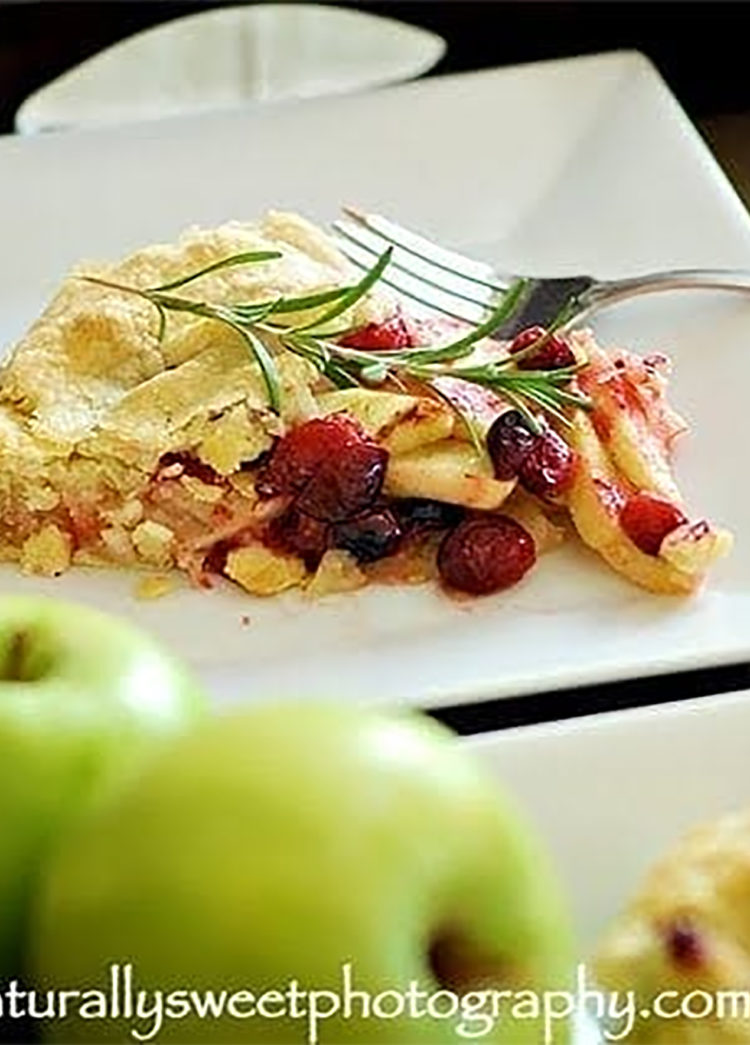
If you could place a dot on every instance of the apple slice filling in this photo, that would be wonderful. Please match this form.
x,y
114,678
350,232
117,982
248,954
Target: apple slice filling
x,y
624,501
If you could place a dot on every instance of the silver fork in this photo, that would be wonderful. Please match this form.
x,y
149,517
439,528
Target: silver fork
x,y
466,289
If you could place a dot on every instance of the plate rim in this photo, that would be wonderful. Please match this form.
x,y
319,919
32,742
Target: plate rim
x,y
528,681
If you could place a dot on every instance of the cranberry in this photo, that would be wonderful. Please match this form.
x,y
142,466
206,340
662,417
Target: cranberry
x,y
296,458
345,487
369,536
420,515
216,560
85,524
395,332
547,470
332,466
684,944
648,518
296,532
485,554
509,442
189,465
554,354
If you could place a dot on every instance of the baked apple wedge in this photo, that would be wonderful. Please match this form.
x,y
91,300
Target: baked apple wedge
x,y
449,471
630,413
624,500
598,500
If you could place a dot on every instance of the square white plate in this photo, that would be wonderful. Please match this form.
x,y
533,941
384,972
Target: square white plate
x,y
585,164
632,783
610,793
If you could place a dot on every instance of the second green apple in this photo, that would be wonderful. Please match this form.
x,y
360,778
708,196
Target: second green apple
x,y
282,842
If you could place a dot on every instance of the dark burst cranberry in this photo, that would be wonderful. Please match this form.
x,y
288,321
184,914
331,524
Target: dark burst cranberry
x,y
345,487
417,515
294,531
548,469
509,442
647,519
554,354
216,560
188,465
370,536
330,465
395,332
485,554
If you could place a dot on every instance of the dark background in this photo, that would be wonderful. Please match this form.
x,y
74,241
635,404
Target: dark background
x,y
701,48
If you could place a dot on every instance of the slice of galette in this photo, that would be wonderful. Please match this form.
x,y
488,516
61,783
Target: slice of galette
x,y
125,444
242,404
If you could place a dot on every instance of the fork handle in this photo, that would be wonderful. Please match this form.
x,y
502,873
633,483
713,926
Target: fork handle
x,y
607,292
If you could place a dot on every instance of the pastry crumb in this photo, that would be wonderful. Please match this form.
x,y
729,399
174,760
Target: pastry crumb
x,y
154,543
338,571
233,439
155,586
118,544
47,552
261,571
128,514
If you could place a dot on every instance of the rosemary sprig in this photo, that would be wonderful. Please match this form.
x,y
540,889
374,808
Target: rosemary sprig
x,y
248,257
465,345
352,295
265,329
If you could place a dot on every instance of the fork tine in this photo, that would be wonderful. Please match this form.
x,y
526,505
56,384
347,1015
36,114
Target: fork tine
x,y
448,260
413,287
449,283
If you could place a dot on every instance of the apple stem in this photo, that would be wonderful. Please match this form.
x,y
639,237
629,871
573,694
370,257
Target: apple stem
x,y
458,966
17,657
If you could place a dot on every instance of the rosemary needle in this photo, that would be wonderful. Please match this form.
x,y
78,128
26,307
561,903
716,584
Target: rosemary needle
x,y
264,332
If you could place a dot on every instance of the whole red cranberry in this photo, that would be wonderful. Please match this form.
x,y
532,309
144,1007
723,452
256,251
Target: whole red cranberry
x,y
554,354
395,332
301,534
330,465
509,442
485,554
297,456
370,536
647,519
548,469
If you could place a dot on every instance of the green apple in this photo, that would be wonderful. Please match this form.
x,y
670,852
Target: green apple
x,y
82,698
282,843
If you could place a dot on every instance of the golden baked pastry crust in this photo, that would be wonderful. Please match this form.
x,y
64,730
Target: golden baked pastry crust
x,y
91,401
